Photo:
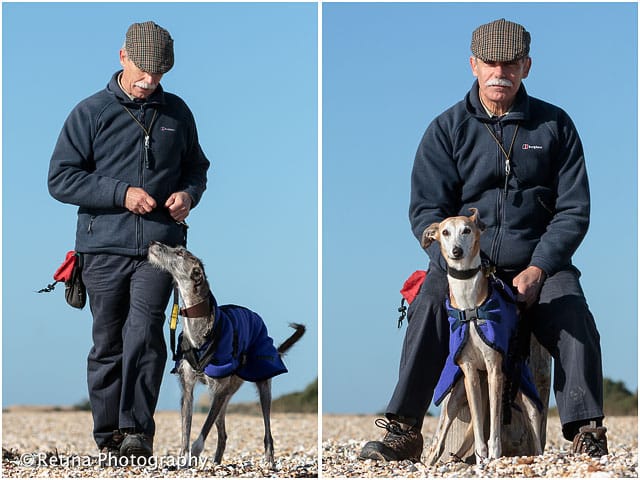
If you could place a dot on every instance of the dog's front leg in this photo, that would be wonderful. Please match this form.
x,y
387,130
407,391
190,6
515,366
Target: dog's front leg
x,y
264,390
187,383
474,397
221,389
495,381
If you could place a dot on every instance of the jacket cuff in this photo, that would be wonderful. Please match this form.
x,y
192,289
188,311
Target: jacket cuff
x,y
542,265
120,193
195,198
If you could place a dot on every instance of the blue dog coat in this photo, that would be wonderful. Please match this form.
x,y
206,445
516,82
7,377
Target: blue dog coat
x,y
243,346
496,323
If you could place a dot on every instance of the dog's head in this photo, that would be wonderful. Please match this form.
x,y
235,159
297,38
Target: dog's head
x,y
185,268
459,237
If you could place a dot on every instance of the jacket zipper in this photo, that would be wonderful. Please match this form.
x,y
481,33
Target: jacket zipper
x,y
503,193
141,183
500,214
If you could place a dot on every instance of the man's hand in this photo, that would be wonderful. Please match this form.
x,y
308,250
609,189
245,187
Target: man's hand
x,y
138,201
528,284
179,205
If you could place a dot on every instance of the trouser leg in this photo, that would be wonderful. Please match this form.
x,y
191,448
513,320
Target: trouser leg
x,y
563,324
107,284
144,348
424,351
128,298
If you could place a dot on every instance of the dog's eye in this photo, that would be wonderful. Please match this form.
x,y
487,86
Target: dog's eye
x,y
466,231
445,233
180,253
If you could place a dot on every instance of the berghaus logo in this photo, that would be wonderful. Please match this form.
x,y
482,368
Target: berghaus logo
x,y
528,146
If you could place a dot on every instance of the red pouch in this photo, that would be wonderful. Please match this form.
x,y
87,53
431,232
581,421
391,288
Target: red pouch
x,y
412,285
70,272
63,273
409,291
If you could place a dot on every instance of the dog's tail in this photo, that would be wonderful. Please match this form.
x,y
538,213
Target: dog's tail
x,y
289,342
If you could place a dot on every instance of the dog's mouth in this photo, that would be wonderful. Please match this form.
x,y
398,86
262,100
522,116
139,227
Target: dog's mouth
x,y
155,253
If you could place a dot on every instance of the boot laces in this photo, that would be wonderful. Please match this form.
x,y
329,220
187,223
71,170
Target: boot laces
x,y
396,436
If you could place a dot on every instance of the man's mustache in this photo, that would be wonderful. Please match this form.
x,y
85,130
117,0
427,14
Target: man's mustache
x,y
146,86
498,82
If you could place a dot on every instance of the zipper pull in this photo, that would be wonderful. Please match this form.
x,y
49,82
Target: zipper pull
x,y
146,151
507,172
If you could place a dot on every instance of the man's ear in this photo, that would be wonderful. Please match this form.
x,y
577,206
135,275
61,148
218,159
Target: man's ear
x,y
473,62
430,235
123,55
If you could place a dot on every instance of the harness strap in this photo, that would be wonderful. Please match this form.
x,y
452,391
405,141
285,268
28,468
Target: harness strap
x,y
480,314
207,355
173,323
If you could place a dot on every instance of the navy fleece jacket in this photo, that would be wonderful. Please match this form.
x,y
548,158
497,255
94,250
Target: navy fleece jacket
x,y
536,215
101,152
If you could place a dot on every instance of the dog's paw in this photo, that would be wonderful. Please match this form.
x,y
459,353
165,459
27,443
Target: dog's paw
x,y
197,447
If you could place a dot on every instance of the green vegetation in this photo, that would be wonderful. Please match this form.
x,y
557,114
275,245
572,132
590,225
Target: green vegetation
x,y
299,402
618,400
83,406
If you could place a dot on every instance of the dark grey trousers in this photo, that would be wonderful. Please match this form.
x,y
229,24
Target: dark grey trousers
x,y
128,298
561,321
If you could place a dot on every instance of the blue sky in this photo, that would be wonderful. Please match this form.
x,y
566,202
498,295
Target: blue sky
x,y
388,70
249,74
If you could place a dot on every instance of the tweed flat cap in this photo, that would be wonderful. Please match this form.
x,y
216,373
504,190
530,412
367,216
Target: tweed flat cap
x,y
500,41
150,47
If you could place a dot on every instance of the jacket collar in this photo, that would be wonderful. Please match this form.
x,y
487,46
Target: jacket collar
x,y
519,111
156,98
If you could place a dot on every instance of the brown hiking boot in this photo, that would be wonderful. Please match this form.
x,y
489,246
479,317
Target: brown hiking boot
x,y
110,451
591,440
400,443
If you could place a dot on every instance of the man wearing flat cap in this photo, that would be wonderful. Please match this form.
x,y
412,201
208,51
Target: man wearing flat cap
x,y
129,158
520,162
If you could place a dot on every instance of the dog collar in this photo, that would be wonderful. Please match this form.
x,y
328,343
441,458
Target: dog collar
x,y
202,309
463,274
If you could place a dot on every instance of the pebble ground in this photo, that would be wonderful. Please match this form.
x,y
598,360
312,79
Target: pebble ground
x,y
343,437
37,444
60,444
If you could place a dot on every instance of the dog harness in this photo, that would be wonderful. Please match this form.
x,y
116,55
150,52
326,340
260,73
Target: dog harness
x,y
496,322
238,344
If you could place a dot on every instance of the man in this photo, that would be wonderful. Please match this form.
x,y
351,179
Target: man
x,y
129,158
519,161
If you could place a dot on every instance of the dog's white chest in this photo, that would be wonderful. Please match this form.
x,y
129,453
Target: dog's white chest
x,y
476,352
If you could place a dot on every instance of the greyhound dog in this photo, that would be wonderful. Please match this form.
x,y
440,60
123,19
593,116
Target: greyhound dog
x,y
220,346
471,301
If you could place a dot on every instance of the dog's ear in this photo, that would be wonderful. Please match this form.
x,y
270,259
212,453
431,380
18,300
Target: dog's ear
x,y
430,235
475,218
197,275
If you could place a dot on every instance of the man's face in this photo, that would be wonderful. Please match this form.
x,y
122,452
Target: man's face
x,y
136,82
499,81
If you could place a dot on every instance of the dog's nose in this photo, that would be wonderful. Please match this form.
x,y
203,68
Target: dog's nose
x,y
457,252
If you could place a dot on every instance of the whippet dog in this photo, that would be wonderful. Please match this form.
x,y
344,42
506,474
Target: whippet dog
x,y
220,346
470,293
